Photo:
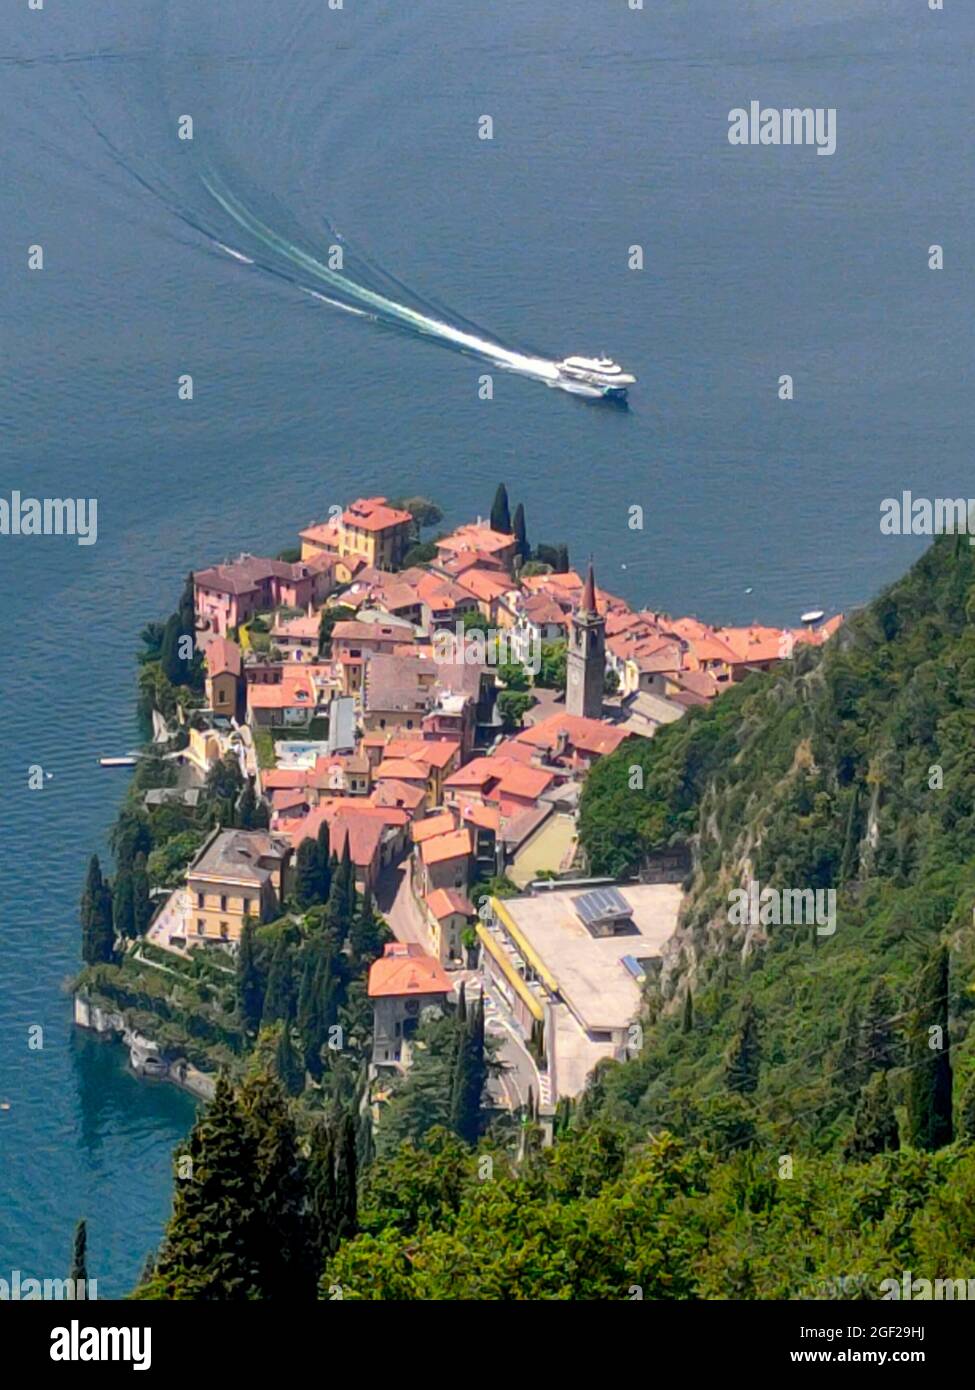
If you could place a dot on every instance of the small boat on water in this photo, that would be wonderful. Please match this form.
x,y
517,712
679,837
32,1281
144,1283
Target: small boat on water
x,y
128,761
815,615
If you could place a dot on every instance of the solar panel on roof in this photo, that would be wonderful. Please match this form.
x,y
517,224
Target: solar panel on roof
x,y
600,903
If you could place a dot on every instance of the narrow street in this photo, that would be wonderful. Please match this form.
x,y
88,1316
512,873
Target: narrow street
x,y
394,899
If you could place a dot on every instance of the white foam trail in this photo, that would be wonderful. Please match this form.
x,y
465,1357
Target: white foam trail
x,y
541,368
237,255
337,304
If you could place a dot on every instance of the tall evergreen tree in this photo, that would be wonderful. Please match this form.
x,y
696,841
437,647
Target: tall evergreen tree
x,y
211,1248
97,932
876,1042
346,1181
929,1121
79,1261
279,998
174,666
307,874
123,904
500,512
323,1215
874,1122
280,1179
318,1000
341,897
250,987
288,1066
522,548
743,1058
687,1019
141,898
470,1073
247,806
324,862
366,936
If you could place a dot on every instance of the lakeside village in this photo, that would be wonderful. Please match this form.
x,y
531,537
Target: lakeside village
x,y
356,824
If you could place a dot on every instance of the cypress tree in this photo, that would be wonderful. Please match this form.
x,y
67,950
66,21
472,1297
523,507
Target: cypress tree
x,y
324,862
97,932
346,1182
876,1041
687,1020
317,1003
288,1065
307,874
500,513
211,1248
929,1051
247,806
850,860
79,1261
365,937
348,874
250,990
523,549
874,1122
562,565
279,998
174,667
743,1058
469,1075
338,915
123,904
141,898
323,1215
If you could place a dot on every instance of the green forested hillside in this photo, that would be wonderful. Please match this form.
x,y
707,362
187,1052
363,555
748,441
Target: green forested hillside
x,y
852,767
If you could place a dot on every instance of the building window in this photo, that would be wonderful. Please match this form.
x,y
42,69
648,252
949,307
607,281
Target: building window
x,y
200,901
223,929
223,902
199,926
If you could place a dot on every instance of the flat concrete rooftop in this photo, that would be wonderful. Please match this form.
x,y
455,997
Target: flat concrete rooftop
x,y
587,969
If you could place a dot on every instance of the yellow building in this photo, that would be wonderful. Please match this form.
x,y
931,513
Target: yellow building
x,y
369,530
236,874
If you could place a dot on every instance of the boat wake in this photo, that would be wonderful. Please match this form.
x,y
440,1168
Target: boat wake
x,y
384,309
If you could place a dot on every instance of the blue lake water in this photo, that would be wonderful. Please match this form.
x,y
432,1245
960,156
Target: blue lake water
x,y
358,128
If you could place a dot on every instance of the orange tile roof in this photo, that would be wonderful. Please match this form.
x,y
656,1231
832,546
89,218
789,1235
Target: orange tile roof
x,y
223,655
433,752
321,533
473,774
455,845
484,584
290,692
395,793
374,514
406,969
486,817
443,901
402,769
440,824
589,735
476,537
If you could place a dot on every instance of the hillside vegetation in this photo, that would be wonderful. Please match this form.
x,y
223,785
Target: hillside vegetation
x,y
851,767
